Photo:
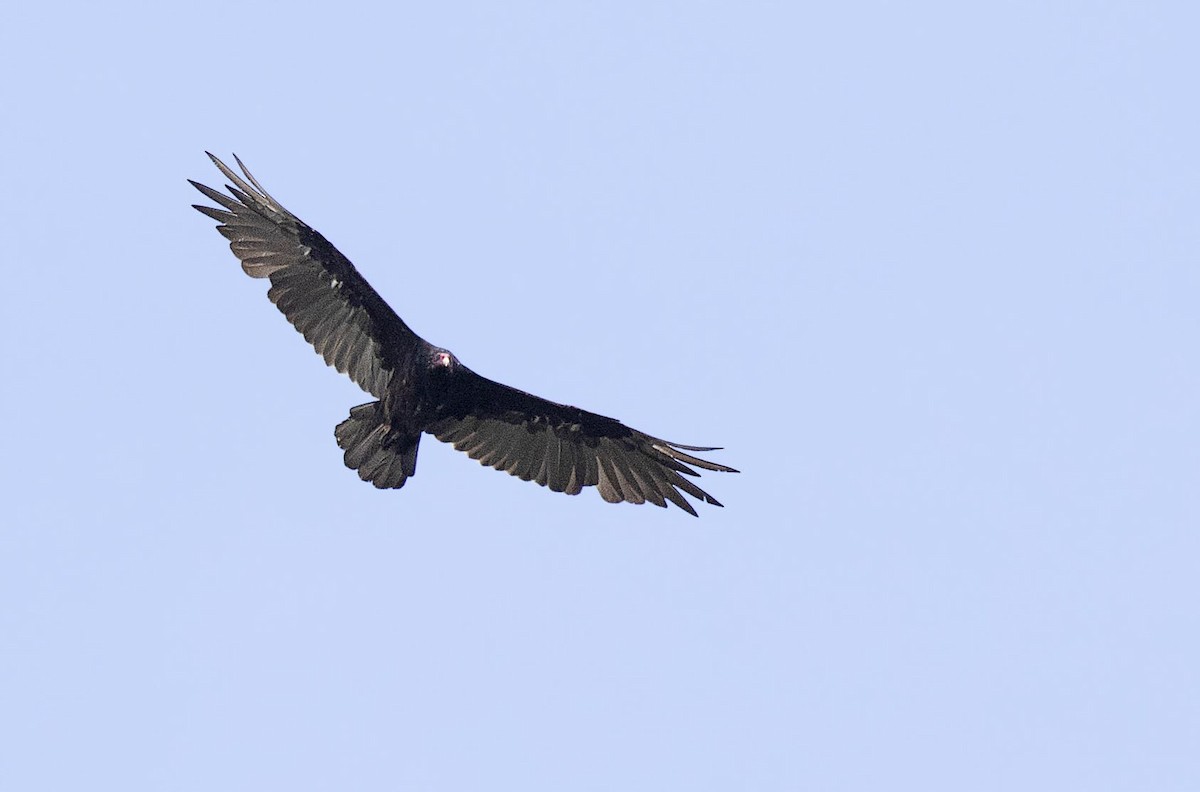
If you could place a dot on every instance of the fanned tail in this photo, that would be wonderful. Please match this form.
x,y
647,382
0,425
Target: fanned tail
x,y
380,455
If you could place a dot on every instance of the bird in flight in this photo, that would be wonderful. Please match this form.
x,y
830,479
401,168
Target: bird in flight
x,y
420,388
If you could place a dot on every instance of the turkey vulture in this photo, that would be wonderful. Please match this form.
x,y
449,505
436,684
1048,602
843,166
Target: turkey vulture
x,y
422,388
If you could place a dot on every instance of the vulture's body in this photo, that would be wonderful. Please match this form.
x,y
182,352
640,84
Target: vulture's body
x,y
420,388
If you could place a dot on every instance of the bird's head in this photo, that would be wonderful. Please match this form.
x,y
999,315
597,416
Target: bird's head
x,y
442,360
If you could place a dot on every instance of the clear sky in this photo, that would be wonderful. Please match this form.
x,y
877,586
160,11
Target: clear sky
x,y
927,271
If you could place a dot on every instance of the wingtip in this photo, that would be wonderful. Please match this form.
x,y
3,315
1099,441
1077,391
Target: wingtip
x,y
694,448
225,169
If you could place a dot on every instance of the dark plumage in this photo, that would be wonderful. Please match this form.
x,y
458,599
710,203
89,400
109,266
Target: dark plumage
x,y
422,388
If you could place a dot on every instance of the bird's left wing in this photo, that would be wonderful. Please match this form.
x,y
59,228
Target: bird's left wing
x,y
566,448
312,283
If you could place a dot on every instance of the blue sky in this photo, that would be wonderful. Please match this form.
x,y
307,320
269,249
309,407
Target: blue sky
x,y
927,271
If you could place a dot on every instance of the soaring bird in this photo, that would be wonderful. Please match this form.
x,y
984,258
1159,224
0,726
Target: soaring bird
x,y
420,388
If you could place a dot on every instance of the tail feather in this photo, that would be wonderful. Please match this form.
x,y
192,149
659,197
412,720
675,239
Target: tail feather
x,y
373,449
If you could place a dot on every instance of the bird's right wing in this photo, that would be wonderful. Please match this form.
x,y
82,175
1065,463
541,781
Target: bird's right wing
x,y
312,283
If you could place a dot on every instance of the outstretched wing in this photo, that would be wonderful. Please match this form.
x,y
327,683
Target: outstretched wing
x,y
312,283
565,448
